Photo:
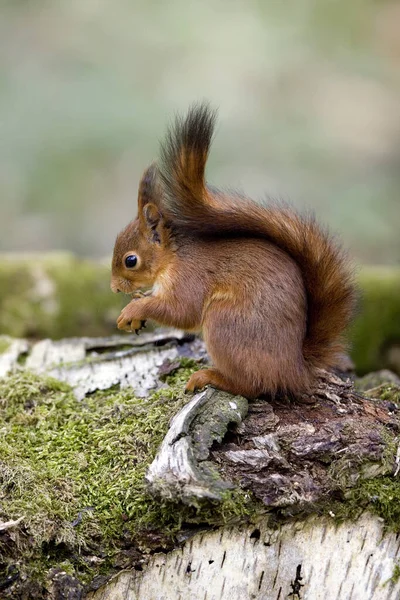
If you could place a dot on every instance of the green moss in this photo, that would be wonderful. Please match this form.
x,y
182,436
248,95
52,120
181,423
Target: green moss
x,y
181,374
378,323
56,295
387,391
380,496
75,472
391,393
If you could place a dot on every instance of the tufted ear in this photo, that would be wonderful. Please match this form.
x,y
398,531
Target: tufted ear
x,y
152,220
149,205
149,188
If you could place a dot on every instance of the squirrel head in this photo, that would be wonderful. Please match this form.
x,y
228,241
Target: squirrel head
x,y
141,249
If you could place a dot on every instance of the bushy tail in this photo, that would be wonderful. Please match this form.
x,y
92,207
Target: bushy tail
x,y
197,210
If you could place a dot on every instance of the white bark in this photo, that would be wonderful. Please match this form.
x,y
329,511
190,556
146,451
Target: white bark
x,y
349,562
102,372
9,358
90,364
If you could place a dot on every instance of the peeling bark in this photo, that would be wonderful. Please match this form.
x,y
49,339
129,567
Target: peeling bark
x,y
90,364
287,454
180,470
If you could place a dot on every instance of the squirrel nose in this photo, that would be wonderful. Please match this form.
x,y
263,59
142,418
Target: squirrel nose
x,y
114,288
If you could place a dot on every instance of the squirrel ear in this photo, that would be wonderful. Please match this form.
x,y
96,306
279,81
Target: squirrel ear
x,y
148,188
152,218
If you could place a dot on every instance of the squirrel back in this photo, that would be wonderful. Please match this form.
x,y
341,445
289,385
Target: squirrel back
x,y
196,210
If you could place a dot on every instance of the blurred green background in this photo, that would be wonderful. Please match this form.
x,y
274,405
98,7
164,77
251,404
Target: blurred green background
x,y
308,93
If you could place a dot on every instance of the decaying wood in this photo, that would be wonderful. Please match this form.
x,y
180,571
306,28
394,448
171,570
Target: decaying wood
x,y
289,455
180,470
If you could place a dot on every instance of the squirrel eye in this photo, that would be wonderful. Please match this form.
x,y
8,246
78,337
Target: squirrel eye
x,y
131,261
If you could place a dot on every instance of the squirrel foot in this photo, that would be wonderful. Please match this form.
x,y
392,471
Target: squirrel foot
x,y
127,321
200,379
131,325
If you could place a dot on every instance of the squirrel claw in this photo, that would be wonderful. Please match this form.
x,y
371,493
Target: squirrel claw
x,y
142,326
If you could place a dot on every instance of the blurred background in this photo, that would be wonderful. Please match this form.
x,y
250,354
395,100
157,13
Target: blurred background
x,y
308,93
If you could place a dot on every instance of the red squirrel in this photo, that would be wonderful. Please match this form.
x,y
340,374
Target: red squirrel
x,y
271,291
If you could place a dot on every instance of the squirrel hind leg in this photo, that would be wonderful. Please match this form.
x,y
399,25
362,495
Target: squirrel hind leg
x,y
200,379
255,359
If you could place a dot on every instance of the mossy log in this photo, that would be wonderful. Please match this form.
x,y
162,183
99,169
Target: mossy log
x,y
289,456
114,484
309,560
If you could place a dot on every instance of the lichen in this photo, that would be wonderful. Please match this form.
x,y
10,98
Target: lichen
x,y
75,472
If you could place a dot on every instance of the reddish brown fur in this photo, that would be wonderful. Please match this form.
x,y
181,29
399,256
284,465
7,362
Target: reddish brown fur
x,y
269,288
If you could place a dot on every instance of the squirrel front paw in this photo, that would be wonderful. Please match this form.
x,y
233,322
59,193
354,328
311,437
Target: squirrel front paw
x,y
127,322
